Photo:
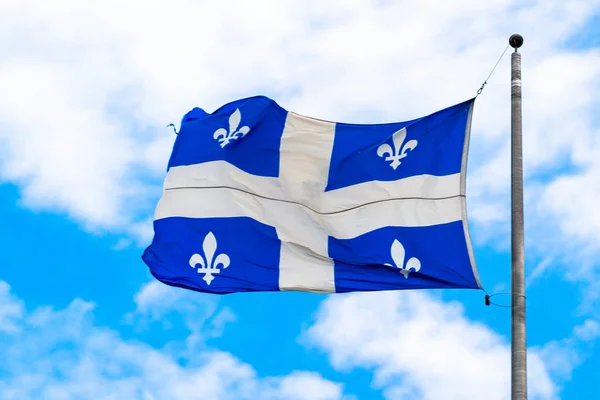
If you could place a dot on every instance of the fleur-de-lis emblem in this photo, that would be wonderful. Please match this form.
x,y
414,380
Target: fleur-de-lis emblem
x,y
399,151
224,137
208,266
398,255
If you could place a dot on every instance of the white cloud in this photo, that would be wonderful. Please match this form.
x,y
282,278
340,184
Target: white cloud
x,y
588,331
155,299
563,356
11,310
303,385
61,354
170,307
422,348
65,153
89,87
573,199
200,313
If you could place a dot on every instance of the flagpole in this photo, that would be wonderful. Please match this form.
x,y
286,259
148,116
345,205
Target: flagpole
x,y
518,342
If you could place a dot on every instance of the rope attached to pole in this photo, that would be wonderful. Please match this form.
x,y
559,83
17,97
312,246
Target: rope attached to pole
x,y
493,69
489,302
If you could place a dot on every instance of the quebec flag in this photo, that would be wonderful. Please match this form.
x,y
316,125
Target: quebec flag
x,y
258,198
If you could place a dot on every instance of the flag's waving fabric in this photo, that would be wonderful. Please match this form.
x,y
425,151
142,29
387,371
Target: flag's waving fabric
x,y
257,198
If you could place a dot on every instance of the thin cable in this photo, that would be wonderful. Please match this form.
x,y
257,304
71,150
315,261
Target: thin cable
x,y
493,69
310,208
489,302
174,130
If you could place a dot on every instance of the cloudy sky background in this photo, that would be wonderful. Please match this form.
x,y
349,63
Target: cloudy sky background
x,y
86,90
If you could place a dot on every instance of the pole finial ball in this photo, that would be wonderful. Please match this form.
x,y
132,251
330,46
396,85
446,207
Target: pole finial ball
x,y
515,41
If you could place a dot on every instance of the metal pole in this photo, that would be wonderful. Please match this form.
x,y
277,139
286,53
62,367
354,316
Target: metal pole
x,y
518,342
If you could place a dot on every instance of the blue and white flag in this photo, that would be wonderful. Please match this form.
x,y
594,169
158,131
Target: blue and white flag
x,y
257,198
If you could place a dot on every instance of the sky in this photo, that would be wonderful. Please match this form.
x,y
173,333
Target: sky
x,y
86,92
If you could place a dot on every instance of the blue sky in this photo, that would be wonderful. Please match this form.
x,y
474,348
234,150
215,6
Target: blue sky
x,y
87,90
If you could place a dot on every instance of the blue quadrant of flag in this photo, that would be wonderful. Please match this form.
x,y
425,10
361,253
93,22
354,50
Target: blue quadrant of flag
x,y
257,198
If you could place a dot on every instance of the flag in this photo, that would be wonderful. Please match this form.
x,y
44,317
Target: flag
x,y
257,198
